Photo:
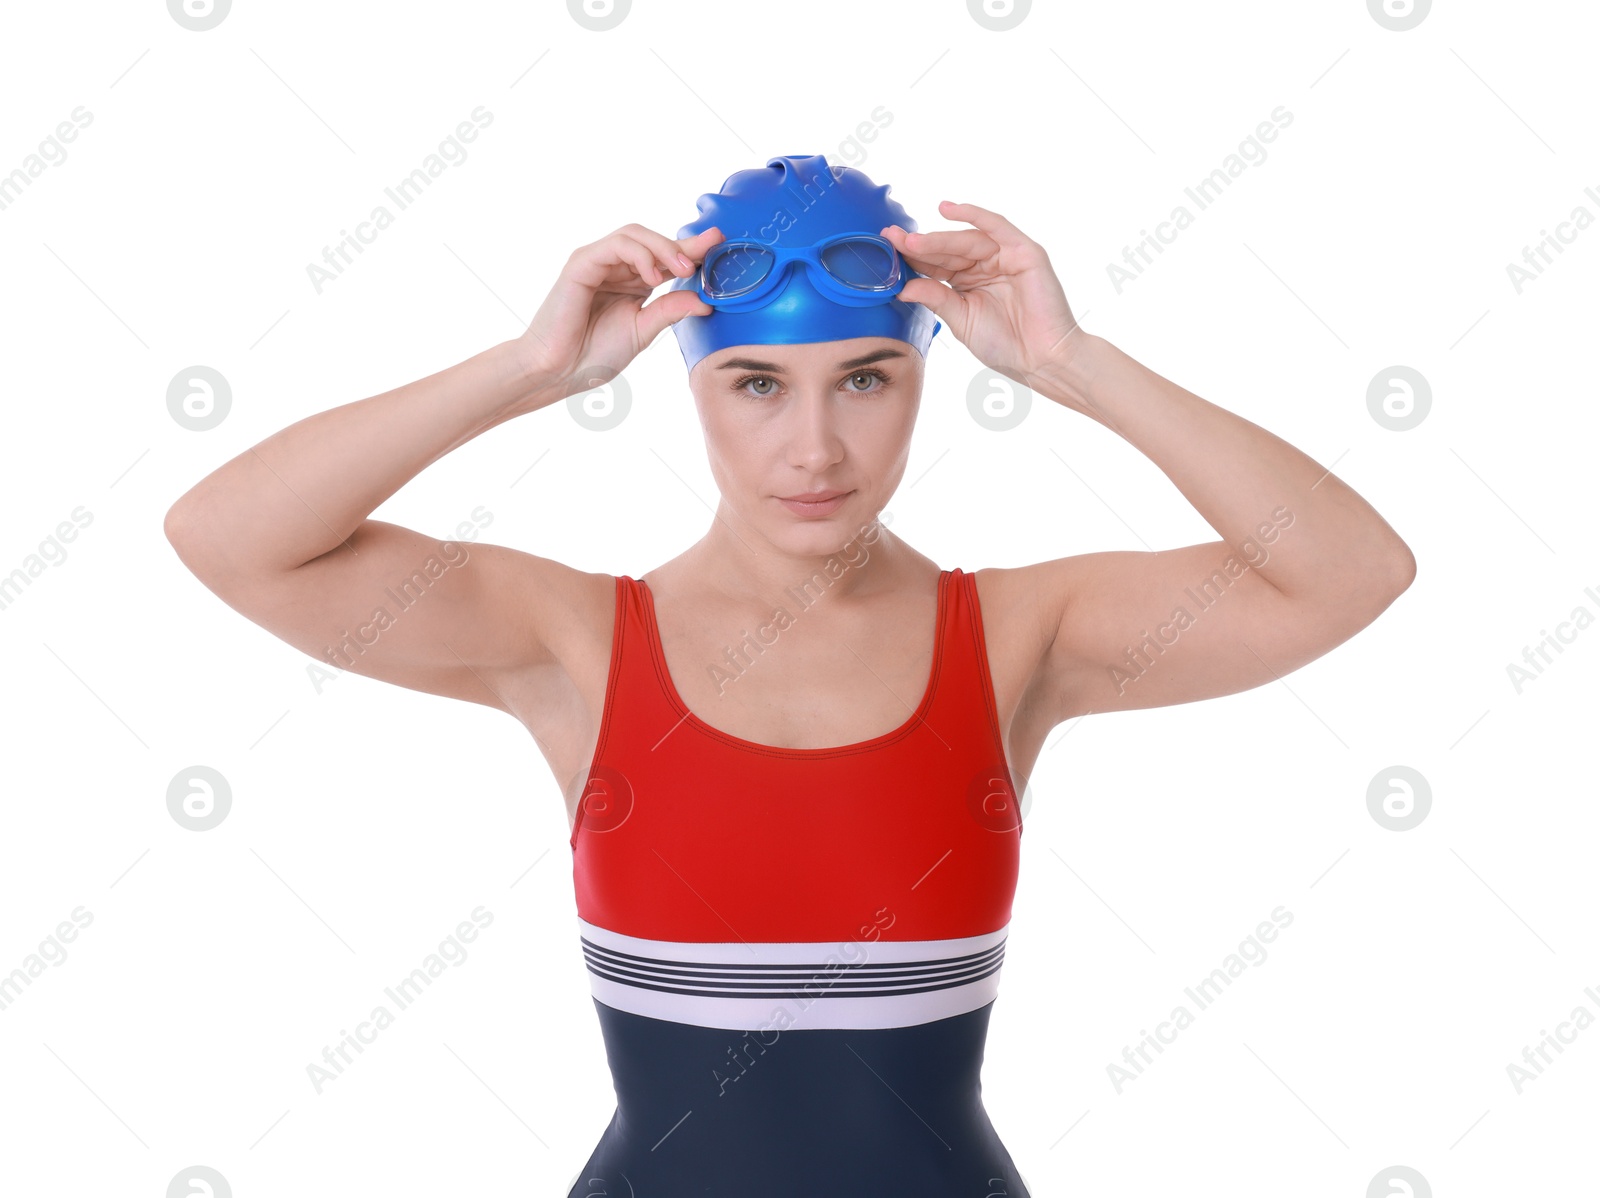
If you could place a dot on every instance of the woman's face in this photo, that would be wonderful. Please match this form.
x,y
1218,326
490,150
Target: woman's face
x,y
790,420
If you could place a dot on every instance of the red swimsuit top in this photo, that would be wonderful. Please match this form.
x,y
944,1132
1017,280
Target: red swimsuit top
x,y
693,846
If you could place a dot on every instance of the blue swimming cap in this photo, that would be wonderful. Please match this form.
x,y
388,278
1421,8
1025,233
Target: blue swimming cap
x,y
798,201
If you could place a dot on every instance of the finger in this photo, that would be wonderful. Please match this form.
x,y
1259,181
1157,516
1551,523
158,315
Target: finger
x,y
944,302
651,269
664,249
605,263
932,270
695,248
667,310
597,267
896,236
940,266
622,261
964,245
996,226
945,271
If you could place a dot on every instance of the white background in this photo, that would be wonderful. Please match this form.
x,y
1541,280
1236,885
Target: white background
x,y
367,820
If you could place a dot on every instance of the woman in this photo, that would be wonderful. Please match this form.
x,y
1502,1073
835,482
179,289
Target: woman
x,y
794,824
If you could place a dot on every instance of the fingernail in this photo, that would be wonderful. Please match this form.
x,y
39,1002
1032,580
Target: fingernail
x,y
685,263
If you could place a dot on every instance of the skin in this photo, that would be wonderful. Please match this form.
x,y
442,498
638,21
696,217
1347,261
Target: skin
x,y
783,420
283,533
803,420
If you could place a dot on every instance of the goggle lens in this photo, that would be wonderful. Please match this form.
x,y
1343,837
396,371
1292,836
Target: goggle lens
x,y
737,270
863,264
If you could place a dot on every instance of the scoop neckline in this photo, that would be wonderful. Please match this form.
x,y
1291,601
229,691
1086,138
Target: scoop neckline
x,y
659,656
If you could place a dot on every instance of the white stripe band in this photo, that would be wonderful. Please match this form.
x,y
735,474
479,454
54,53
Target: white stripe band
x,y
793,985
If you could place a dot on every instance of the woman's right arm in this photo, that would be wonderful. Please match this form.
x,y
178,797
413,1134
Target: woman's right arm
x,y
282,533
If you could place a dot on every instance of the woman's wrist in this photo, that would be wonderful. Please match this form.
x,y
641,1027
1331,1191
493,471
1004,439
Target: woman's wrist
x,y
1069,375
531,385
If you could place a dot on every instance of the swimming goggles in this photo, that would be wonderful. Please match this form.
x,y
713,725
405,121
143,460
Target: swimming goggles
x,y
854,269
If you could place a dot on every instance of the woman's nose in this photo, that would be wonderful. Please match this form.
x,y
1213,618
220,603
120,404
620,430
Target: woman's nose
x,y
814,437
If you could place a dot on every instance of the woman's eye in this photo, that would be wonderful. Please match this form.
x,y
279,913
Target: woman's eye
x,y
862,382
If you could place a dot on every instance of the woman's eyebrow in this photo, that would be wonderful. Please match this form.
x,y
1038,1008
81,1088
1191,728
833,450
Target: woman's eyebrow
x,y
750,364
865,359
773,368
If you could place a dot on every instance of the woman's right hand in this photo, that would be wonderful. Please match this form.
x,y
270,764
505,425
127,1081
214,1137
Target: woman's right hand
x,y
595,321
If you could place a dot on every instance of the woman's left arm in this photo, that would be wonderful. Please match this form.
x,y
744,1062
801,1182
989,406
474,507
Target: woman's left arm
x,y
1303,564
1237,475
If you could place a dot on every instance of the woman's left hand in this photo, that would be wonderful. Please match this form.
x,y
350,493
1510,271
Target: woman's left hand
x,y
994,288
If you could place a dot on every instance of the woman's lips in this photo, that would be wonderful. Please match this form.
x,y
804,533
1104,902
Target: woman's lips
x,y
825,507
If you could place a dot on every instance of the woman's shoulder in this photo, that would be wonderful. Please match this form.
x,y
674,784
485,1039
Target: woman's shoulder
x,y
1020,606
